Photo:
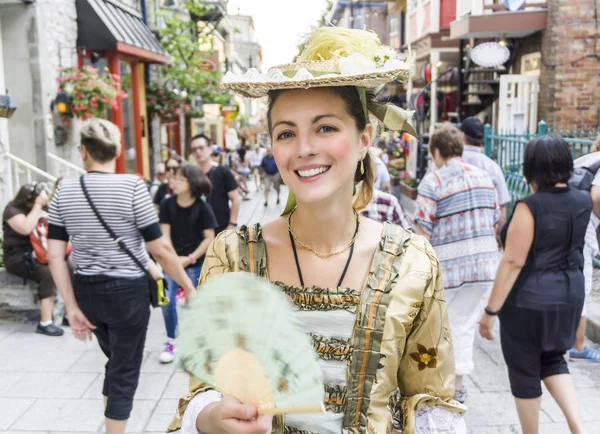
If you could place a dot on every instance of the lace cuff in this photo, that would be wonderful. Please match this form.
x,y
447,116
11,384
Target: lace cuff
x,y
436,420
195,407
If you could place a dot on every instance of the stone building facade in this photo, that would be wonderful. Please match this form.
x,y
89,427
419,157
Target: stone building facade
x,y
570,64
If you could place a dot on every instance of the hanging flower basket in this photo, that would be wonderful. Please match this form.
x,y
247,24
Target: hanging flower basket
x,y
168,104
91,94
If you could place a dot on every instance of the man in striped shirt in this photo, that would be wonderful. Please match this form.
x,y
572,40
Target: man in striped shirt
x,y
457,210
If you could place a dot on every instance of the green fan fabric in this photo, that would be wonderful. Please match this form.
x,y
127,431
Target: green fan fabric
x,y
241,310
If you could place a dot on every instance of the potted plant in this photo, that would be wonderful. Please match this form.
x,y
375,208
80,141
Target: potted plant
x,y
168,104
408,186
88,93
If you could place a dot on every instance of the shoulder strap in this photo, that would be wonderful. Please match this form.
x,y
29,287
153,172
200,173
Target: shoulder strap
x,y
253,252
108,229
594,167
368,328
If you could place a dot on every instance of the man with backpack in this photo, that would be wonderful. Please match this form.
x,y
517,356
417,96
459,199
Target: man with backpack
x,y
586,176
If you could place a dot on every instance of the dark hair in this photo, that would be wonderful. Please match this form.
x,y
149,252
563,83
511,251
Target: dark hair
x,y
98,150
354,107
473,141
447,139
199,136
172,159
242,153
547,161
27,194
200,185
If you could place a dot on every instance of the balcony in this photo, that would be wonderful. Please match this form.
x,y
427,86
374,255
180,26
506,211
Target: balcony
x,y
490,19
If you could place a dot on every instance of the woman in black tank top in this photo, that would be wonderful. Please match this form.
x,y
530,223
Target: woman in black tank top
x,y
539,288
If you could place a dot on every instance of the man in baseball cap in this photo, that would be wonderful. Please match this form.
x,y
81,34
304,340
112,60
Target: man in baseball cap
x,y
473,137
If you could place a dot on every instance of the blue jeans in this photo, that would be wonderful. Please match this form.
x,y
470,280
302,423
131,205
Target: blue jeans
x,y
170,310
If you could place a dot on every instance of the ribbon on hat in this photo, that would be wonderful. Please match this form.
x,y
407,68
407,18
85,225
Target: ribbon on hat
x,y
393,117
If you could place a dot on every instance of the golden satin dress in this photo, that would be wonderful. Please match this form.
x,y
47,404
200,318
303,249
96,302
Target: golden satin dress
x,y
386,351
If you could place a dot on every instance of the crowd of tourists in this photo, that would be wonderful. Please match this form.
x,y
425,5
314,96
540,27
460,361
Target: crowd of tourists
x,y
428,281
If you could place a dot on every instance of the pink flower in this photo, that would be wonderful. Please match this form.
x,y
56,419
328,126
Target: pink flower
x,y
186,107
90,114
94,104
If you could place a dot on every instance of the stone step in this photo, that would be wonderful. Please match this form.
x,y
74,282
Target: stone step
x,y
17,301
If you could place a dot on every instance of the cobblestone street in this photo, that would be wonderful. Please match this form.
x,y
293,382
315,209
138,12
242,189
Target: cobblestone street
x,y
53,385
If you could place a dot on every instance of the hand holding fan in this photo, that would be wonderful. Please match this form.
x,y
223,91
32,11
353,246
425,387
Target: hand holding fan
x,y
240,336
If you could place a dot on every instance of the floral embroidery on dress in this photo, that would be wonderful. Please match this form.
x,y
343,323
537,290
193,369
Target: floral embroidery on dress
x,y
332,348
425,357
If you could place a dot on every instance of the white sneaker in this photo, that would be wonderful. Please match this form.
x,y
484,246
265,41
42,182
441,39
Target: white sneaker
x,y
168,355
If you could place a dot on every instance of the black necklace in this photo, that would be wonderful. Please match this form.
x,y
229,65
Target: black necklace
x,y
345,268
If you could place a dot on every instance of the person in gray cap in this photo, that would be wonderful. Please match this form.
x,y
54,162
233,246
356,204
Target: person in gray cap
x,y
473,135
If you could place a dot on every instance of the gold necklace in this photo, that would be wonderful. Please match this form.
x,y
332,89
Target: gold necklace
x,y
310,249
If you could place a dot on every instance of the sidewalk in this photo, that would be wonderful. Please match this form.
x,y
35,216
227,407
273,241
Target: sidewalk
x,y
53,385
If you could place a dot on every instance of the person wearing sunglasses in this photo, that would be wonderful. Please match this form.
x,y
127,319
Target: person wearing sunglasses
x,y
165,189
224,185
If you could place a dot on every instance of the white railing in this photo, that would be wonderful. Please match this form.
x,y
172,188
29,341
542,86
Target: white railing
x,y
63,168
14,173
19,167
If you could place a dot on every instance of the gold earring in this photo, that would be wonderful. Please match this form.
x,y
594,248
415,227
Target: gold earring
x,y
362,167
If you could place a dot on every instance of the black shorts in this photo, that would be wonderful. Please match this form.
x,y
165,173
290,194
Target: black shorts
x,y
533,344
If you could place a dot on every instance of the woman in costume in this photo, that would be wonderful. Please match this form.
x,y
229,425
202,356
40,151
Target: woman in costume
x,y
370,294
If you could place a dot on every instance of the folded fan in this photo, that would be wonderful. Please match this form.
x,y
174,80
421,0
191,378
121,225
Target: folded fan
x,y
240,336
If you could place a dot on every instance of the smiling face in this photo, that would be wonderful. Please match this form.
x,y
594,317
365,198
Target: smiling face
x,y
316,143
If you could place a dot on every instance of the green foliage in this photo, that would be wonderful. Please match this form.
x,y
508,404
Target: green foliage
x,y
182,40
92,94
168,105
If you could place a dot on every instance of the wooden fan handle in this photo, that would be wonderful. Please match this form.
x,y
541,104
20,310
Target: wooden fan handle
x,y
305,409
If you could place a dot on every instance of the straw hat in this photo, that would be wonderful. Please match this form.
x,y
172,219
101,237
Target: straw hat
x,y
333,56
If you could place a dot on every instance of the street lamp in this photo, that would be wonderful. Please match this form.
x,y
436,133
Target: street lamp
x,y
8,105
61,102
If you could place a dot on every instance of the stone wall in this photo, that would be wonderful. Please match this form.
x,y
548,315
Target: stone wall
x,y
570,73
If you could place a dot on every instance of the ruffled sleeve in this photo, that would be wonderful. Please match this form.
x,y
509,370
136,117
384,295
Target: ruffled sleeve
x,y
426,372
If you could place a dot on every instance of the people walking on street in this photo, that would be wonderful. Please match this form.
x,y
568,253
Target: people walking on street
x,y
189,223
383,181
164,190
255,156
271,176
457,210
385,207
473,135
224,187
160,177
110,293
581,350
19,220
539,289
333,265
242,169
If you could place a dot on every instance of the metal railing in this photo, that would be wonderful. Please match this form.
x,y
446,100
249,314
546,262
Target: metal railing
x,y
19,167
62,167
508,149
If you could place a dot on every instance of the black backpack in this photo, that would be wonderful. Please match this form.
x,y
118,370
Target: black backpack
x,y
583,177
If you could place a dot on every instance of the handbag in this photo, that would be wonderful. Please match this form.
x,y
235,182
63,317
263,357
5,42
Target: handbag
x,y
156,286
